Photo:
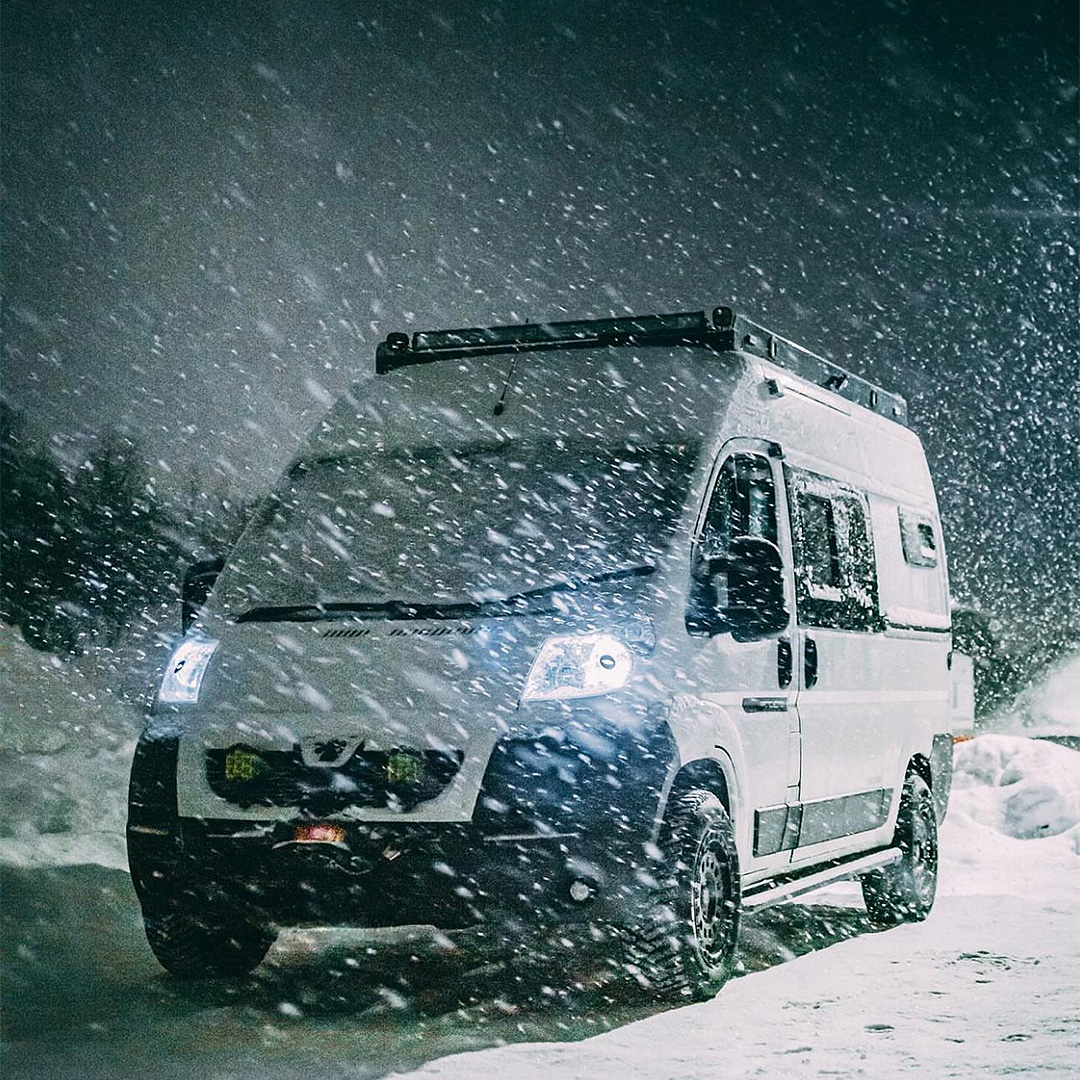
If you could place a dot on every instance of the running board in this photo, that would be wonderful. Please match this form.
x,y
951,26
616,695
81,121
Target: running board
x,y
767,896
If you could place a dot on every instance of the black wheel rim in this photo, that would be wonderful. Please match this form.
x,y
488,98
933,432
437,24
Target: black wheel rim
x,y
710,904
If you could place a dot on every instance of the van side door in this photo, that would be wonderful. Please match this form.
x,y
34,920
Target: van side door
x,y
849,748
749,679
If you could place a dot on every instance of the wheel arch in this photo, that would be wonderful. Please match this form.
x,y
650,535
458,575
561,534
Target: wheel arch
x,y
707,773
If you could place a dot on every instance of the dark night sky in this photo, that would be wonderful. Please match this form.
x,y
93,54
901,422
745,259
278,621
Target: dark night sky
x,y
212,213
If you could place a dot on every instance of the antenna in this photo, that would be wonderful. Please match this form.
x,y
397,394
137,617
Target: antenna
x,y
500,405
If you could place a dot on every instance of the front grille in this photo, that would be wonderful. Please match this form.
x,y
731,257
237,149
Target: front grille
x,y
398,779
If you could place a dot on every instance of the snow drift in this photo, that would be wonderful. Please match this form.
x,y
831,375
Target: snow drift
x,y
1020,787
65,751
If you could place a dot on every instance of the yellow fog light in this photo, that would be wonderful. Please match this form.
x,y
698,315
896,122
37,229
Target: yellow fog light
x,y
243,764
403,767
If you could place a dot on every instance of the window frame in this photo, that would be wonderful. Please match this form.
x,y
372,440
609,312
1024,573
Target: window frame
x,y
853,603
912,524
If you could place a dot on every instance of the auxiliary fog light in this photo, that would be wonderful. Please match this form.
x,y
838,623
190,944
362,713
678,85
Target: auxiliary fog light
x,y
578,666
184,673
242,765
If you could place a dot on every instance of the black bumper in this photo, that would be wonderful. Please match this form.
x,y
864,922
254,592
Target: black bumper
x,y
551,815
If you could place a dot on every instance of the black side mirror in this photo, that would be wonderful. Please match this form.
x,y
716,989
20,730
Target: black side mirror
x,y
707,604
741,592
199,579
756,607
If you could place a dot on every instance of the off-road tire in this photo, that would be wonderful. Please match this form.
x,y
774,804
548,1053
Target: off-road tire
x,y
904,891
206,945
202,931
681,943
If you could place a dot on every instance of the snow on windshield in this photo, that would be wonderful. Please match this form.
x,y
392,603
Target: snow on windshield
x,y
473,523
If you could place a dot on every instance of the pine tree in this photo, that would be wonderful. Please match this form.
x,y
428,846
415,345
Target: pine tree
x,y
36,552
82,555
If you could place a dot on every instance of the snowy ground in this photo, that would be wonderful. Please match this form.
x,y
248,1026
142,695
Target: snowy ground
x,y
989,985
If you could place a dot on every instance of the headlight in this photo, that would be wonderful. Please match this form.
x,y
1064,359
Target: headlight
x,y
184,674
576,667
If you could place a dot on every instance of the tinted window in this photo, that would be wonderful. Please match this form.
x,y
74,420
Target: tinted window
x,y
835,576
821,556
743,504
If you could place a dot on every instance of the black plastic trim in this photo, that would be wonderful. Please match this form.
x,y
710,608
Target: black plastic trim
x,y
781,828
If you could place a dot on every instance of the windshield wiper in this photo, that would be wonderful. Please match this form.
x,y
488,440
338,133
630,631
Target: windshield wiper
x,y
573,584
516,604
390,609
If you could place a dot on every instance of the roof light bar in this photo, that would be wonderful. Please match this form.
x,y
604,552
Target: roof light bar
x,y
426,346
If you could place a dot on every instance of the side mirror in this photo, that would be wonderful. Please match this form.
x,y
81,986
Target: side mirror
x,y
199,579
740,592
756,606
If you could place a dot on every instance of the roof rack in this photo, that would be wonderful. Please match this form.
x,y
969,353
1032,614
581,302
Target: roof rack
x,y
740,333
724,331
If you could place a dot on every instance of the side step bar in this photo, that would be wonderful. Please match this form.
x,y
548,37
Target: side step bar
x,y
761,897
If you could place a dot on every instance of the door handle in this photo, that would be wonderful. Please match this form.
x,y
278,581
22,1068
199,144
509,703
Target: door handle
x,y
810,662
784,663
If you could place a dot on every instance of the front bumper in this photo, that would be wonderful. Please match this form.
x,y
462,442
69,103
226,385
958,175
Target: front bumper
x,y
447,876
559,832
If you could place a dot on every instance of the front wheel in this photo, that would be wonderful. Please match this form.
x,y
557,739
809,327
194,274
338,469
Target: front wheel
x,y
904,891
205,946
196,931
682,945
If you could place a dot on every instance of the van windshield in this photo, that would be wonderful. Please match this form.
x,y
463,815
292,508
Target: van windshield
x,y
437,526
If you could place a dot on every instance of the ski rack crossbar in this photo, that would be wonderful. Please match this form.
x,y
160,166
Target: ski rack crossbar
x,y
724,331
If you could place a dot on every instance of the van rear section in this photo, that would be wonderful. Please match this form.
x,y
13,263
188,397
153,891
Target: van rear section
x,y
628,623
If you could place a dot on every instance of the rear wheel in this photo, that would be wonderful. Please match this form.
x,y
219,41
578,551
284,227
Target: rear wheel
x,y
904,891
681,946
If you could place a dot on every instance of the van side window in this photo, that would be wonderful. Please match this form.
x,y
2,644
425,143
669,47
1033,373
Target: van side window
x,y
743,503
835,575
917,534
820,549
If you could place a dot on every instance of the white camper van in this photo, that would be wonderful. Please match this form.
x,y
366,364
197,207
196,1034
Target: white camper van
x,y
632,623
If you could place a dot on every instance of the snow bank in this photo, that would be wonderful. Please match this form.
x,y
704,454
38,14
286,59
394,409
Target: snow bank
x,y
1013,827
1020,787
65,750
1050,707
